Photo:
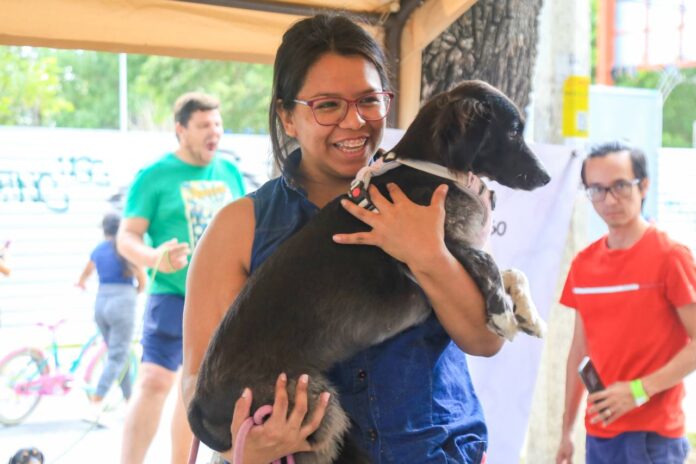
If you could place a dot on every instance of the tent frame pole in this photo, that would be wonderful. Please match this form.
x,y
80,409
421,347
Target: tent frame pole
x,y
393,29
296,9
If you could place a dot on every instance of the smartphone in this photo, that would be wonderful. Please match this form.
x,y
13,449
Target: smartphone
x,y
589,376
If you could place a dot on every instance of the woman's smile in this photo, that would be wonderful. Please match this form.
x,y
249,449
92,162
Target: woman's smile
x,y
353,147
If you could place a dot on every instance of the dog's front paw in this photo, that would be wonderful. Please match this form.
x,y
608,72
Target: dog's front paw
x,y
526,315
503,324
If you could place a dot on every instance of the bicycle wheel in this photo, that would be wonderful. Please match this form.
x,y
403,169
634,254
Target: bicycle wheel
x,y
94,371
20,384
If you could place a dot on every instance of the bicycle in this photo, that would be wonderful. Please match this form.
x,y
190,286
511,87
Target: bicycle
x,y
27,374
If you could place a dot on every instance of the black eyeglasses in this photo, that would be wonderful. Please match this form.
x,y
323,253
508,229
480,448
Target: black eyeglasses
x,y
330,111
620,189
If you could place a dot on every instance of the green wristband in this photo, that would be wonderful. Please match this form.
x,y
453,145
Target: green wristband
x,y
638,391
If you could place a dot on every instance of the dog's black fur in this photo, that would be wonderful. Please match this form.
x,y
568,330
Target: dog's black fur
x,y
314,303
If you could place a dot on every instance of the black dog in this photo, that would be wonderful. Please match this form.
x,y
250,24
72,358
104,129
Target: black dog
x,y
314,303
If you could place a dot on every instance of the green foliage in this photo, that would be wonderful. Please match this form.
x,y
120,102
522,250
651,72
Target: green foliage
x,y
90,82
679,114
76,88
640,79
243,89
678,111
30,88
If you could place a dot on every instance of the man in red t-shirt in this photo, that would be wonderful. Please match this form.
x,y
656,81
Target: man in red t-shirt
x,y
634,291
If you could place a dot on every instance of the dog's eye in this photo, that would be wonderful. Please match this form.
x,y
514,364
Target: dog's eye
x,y
512,133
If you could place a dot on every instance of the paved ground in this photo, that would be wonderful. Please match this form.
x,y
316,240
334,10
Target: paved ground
x,y
58,429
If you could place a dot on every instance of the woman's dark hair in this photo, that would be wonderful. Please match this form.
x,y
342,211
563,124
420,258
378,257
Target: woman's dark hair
x,y
640,170
110,225
303,44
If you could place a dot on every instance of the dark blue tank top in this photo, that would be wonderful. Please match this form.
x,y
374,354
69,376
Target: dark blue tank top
x,y
110,267
411,398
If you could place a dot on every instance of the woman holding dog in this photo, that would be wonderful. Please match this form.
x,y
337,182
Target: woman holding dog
x,y
410,398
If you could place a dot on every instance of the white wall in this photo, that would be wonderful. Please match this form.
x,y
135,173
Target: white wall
x,y
676,209
55,186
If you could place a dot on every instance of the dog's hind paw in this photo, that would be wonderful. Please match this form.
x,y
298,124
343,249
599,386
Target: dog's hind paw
x,y
527,317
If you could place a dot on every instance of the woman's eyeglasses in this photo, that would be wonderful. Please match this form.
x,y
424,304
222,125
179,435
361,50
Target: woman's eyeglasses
x,y
620,189
330,111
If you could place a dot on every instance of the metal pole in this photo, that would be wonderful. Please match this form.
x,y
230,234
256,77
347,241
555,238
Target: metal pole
x,y
123,91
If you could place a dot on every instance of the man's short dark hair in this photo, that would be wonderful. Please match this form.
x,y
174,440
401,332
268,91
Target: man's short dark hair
x,y
190,102
640,170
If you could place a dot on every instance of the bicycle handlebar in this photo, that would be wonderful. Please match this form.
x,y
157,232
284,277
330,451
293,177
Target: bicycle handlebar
x,y
52,327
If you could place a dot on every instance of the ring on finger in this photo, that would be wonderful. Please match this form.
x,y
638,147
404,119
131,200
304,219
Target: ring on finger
x,y
607,413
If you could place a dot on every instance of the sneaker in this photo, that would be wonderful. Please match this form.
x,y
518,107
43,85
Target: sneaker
x,y
95,414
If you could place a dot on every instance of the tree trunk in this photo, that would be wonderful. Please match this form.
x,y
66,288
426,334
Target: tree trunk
x,y
494,41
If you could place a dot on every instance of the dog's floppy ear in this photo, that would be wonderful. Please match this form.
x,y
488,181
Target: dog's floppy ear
x,y
459,128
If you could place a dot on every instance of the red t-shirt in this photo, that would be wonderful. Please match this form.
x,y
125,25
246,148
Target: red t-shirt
x,y
627,300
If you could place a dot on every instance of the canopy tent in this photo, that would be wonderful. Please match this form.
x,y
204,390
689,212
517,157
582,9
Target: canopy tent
x,y
225,29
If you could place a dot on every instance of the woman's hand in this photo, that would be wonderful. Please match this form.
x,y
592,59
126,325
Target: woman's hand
x,y
414,234
405,230
282,433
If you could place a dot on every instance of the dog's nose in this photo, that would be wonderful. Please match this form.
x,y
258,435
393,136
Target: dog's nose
x,y
535,180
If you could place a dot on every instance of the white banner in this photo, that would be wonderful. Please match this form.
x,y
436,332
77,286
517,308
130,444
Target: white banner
x,y
529,233
55,187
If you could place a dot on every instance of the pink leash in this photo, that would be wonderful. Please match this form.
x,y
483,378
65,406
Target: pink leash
x,y
193,453
249,422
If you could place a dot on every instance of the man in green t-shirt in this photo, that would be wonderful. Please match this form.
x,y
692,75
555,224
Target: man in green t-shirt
x,y
172,201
